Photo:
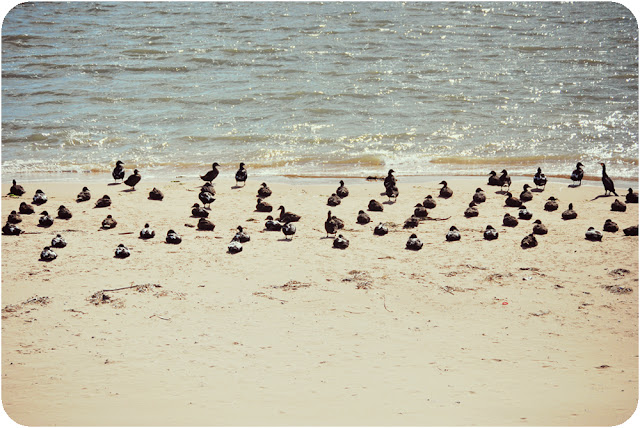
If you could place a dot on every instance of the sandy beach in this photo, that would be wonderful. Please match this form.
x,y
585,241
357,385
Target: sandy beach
x,y
296,332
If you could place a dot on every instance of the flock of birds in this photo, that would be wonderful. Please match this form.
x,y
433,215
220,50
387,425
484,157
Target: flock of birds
x,y
285,222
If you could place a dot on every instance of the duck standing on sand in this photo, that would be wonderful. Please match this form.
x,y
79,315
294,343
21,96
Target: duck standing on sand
x,y
479,197
340,242
64,213
263,207
264,191
529,241
490,233
234,246
39,198
25,208
156,195
593,235
363,217
413,243
198,211
551,204
453,234
133,179
118,171
577,174
511,201
505,180
287,217
84,195
147,232
109,222
342,191
58,241
632,197
539,228
46,220
494,180
569,214
206,198
173,237
509,220
472,211
103,202
14,218
204,224
211,175
241,235
610,226
381,229
47,254
11,229
526,195
334,200
607,182
122,252
429,202
16,189
374,205
445,191
539,179
272,225
389,180
289,229
330,226
631,231
392,192
241,174
618,206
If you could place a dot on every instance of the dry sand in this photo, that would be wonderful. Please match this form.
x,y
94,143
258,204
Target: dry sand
x,y
298,333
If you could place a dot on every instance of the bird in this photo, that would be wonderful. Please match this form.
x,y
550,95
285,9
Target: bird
x,y
593,235
490,233
14,218
524,213
420,211
272,225
413,243
342,191
16,189
211,175
122,252
445,191
526,195
287,217
208,187
511,201
380,229
389,180
25,208
505,180
374,205
392,192
264,191
241,174
109,222
133,179
118,171
494,180
363,217
289,229
234,246
539,179
84,195
453,234
577,173
472,210
39,198
58,241
429,202
263,207
338,221
64,213
632,197
45,220
479,197
569,214
551,204
529,241
539,228
204,224
11,229
509,220
411,222
340,242
631,231
334,200
103,202
241,235
610,226
147,232
607,182
619,206
206,198
198,211
156,195
330,226
173,237
48,254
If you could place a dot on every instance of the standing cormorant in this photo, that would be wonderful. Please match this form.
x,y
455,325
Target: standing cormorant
x,y
607,181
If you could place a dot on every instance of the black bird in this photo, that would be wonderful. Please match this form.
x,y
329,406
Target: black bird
x,y
118,171
334,200
593,235
429,202
241,174
147,232
103,202
374,205
631,231
330,226
25,208
14,218
84,195
204,224
264,191
411,222
524,213
272,225
445,191
198,211
109,222
340,242
569,214
287,217
511,201
526,195
479,197
577,173
607,181
11,229
392,192
211,175
632,197
472,211
389,180
64,213
618,206
610,226
39,198
47,254
342,191
58,241
420,211
16,189
339,222
234,246
494,180
380,229
539,179
289,229
551,204
363,217
263,207
133,179
122,252
241,235
490,233
208,187
529,241
453,234
156,195
505,180
509,220
413,243
206,198
45,220
539,228
173,237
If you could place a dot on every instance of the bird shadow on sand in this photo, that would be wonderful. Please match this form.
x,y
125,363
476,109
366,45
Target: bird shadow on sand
x,y
284,240
501,192
389,202
237,187
602,196
128,190
114,184
573,186
537,190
